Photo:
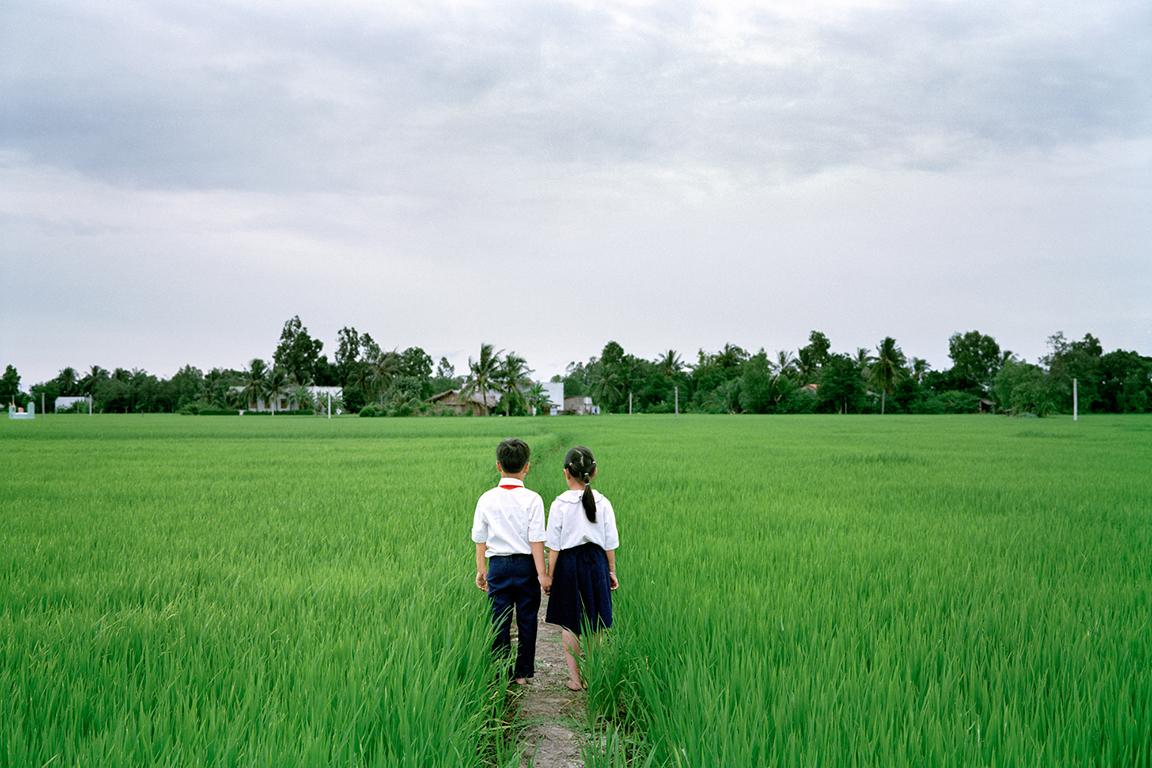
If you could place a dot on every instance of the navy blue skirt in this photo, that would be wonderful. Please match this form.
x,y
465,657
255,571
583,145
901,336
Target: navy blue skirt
x,y
581,596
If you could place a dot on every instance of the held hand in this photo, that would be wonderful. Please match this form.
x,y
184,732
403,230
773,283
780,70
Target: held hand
x,y
613,582
546,584
481,581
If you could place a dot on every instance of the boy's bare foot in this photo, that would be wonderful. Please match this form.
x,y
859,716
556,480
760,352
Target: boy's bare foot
x,y
521,681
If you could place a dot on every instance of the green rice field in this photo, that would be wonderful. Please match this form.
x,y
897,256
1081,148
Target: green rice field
x,y
795,591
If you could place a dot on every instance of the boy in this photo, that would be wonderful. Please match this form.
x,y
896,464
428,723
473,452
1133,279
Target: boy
x,y
508,529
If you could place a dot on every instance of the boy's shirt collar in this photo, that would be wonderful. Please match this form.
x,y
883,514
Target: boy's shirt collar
x,y
509,483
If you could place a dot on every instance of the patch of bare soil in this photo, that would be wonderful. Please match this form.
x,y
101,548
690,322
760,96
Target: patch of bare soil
x,y
553,717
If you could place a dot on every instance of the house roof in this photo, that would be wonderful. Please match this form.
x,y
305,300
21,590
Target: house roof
x,y
493,397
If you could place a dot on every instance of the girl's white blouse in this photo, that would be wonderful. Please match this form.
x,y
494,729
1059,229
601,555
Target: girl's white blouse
x,y
568,526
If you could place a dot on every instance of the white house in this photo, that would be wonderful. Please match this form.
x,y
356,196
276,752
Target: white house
x,y
289,402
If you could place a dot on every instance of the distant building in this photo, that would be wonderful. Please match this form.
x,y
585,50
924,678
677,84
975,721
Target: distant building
x,y
288,400
555,392
455,401
581,405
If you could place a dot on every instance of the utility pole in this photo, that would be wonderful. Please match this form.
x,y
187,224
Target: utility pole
x,y
677,388
1075,401
629,402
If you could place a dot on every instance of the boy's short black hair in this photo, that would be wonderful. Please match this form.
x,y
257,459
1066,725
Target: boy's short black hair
x,y
513,454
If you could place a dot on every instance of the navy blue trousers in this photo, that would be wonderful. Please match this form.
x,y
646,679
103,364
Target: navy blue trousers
x,y
512,583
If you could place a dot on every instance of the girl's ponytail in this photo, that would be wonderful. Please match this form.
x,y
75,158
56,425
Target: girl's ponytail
x,y
582,466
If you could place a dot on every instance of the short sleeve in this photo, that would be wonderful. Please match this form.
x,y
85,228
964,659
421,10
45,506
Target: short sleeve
x,y
479,525
611,535
555,526
536,520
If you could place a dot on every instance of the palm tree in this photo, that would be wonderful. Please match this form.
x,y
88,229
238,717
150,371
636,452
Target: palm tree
x,y
919,367
785,364
276,383
94,376
513,375
608,385
382,368
482,372
537,397
67,380
887,368
670,363
252,383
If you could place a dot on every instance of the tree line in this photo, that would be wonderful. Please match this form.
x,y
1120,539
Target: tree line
x,y
812,379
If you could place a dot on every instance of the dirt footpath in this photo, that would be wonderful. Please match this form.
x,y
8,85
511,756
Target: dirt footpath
x,y
554,717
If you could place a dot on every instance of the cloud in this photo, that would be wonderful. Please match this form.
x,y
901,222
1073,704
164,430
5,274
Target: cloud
x,y
366,98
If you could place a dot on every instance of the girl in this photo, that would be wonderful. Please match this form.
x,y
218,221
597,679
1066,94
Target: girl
x,y
582,541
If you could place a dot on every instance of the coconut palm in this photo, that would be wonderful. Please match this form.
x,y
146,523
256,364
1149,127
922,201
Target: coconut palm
x,y
918,367
482,373
513,376
276,383
252,382
382,369
670,363
537,397
67,380
887,368
784,365
94,376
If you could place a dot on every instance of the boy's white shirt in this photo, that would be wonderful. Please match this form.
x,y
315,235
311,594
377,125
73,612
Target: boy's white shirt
x,y
508,519
568,526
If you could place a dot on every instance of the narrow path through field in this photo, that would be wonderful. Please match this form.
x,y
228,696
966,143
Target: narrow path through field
x,y
553,717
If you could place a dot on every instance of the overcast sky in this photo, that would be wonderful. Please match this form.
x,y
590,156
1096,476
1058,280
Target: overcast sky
x,y
178,179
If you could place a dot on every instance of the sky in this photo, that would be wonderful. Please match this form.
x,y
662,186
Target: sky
x,y
179,179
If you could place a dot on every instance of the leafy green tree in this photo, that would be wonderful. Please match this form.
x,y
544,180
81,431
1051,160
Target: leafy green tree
x,y
841,386
9,385
483,373
1080,360
112,395
416,364
610,378
1023,388
347,355
1125,382
975,361
186,386
325,374
577,378
813,356
297,352
757,385
715,380
887,368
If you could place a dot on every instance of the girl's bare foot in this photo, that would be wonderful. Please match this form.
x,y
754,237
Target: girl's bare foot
x,y
574,686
